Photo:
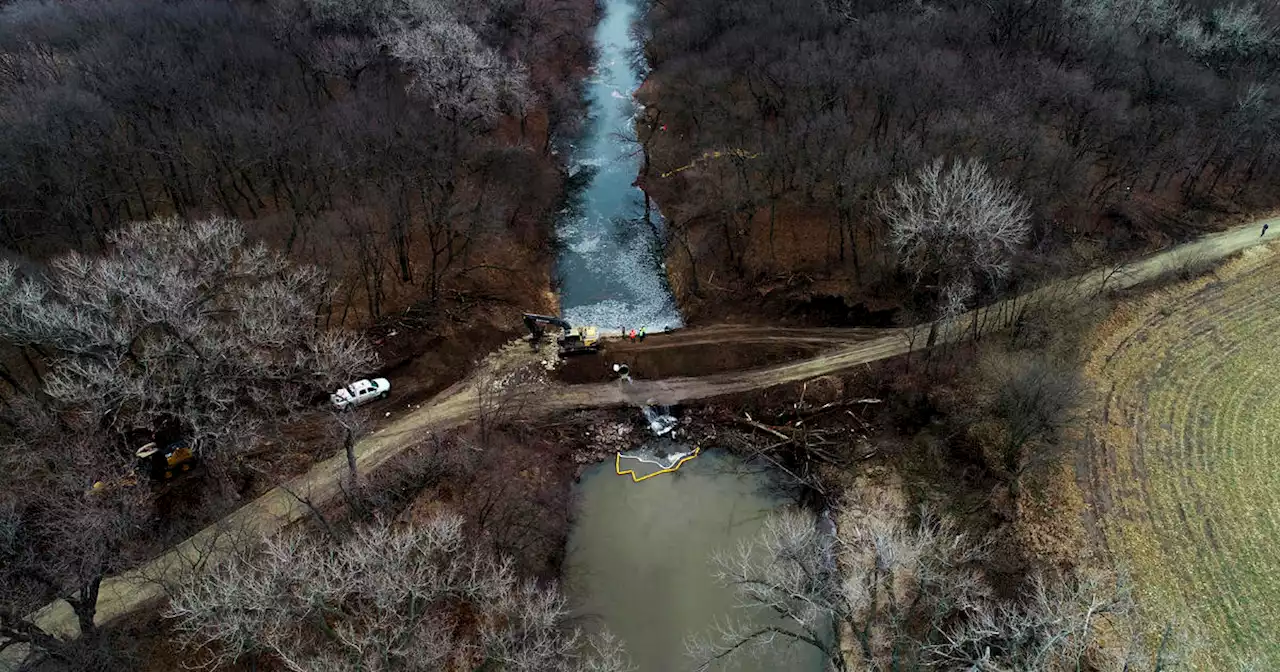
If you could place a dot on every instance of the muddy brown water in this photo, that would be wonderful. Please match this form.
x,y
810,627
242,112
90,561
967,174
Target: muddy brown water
x,y
639,559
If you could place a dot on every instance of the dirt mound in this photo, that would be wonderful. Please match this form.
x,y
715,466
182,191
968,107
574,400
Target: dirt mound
x,y
823,390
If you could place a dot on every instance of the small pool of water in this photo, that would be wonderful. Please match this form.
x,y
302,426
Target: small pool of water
x,y
639,558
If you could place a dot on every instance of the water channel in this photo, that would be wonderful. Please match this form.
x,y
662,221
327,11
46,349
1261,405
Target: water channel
x,y
609,268
639,553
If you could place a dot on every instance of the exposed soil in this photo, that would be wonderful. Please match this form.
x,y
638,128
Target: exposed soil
x,y
516,379
707,350
423,351
692,360
784,275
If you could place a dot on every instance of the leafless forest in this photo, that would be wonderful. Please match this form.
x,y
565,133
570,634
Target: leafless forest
x,y
401,144
1125,124
205,205
201,206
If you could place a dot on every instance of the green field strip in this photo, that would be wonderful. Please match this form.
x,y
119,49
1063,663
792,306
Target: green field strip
x,y
1195,491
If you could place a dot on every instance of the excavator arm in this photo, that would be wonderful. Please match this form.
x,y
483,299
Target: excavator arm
x,y
573,342
534,324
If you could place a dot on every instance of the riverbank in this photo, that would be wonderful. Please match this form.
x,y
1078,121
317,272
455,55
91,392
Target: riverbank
x,y
428,334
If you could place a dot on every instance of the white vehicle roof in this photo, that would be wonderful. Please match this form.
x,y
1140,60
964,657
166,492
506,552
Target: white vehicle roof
x,y
359,387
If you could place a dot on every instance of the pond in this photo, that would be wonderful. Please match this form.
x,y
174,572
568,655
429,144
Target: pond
x,y
639,557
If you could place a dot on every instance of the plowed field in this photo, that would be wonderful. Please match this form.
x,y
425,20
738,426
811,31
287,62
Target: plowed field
x,y
1184,466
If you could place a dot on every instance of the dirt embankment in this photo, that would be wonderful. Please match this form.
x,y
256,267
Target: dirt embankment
x,y
781,270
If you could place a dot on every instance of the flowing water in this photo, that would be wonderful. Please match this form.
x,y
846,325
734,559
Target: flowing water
x,y
639,552
610,269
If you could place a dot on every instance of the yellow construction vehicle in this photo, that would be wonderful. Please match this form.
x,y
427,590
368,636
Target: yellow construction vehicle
x,y
574,341
176,458
160,464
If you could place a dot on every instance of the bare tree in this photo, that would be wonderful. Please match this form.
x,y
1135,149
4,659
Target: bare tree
x,y
458,74
1084,622
1107,20
183,320
1033,401
344,56
789,571
69,516
348,427
914,597
451,67
412,598
958,226
376,16
1235,32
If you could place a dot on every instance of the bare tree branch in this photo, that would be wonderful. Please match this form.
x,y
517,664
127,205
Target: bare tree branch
x,y
416,598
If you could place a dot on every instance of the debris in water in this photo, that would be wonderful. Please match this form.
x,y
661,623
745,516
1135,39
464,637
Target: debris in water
x,y
660,422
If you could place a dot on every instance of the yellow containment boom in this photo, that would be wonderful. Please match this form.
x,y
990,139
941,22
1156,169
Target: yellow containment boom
x,y
617,466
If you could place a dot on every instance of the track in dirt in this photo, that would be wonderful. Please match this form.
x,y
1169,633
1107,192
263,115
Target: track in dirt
x,y
493,382
1184,467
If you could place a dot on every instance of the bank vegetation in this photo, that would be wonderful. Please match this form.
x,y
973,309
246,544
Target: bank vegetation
x,y
775,131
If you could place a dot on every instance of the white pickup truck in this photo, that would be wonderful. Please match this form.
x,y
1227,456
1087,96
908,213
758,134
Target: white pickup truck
x,y
360,392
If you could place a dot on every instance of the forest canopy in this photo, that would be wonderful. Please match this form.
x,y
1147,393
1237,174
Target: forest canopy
x,y
1125,123
359,135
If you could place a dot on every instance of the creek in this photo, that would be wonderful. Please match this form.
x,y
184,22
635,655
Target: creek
x,y
609,270
639,554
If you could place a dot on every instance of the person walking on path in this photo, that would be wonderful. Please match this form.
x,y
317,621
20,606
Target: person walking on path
x,y
642,334
633,335
1264,230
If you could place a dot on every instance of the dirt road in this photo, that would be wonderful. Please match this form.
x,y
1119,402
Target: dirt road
x,y
752,333
457,405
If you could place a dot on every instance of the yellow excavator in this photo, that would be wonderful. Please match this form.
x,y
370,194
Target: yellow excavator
x,y
161,464
571,342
